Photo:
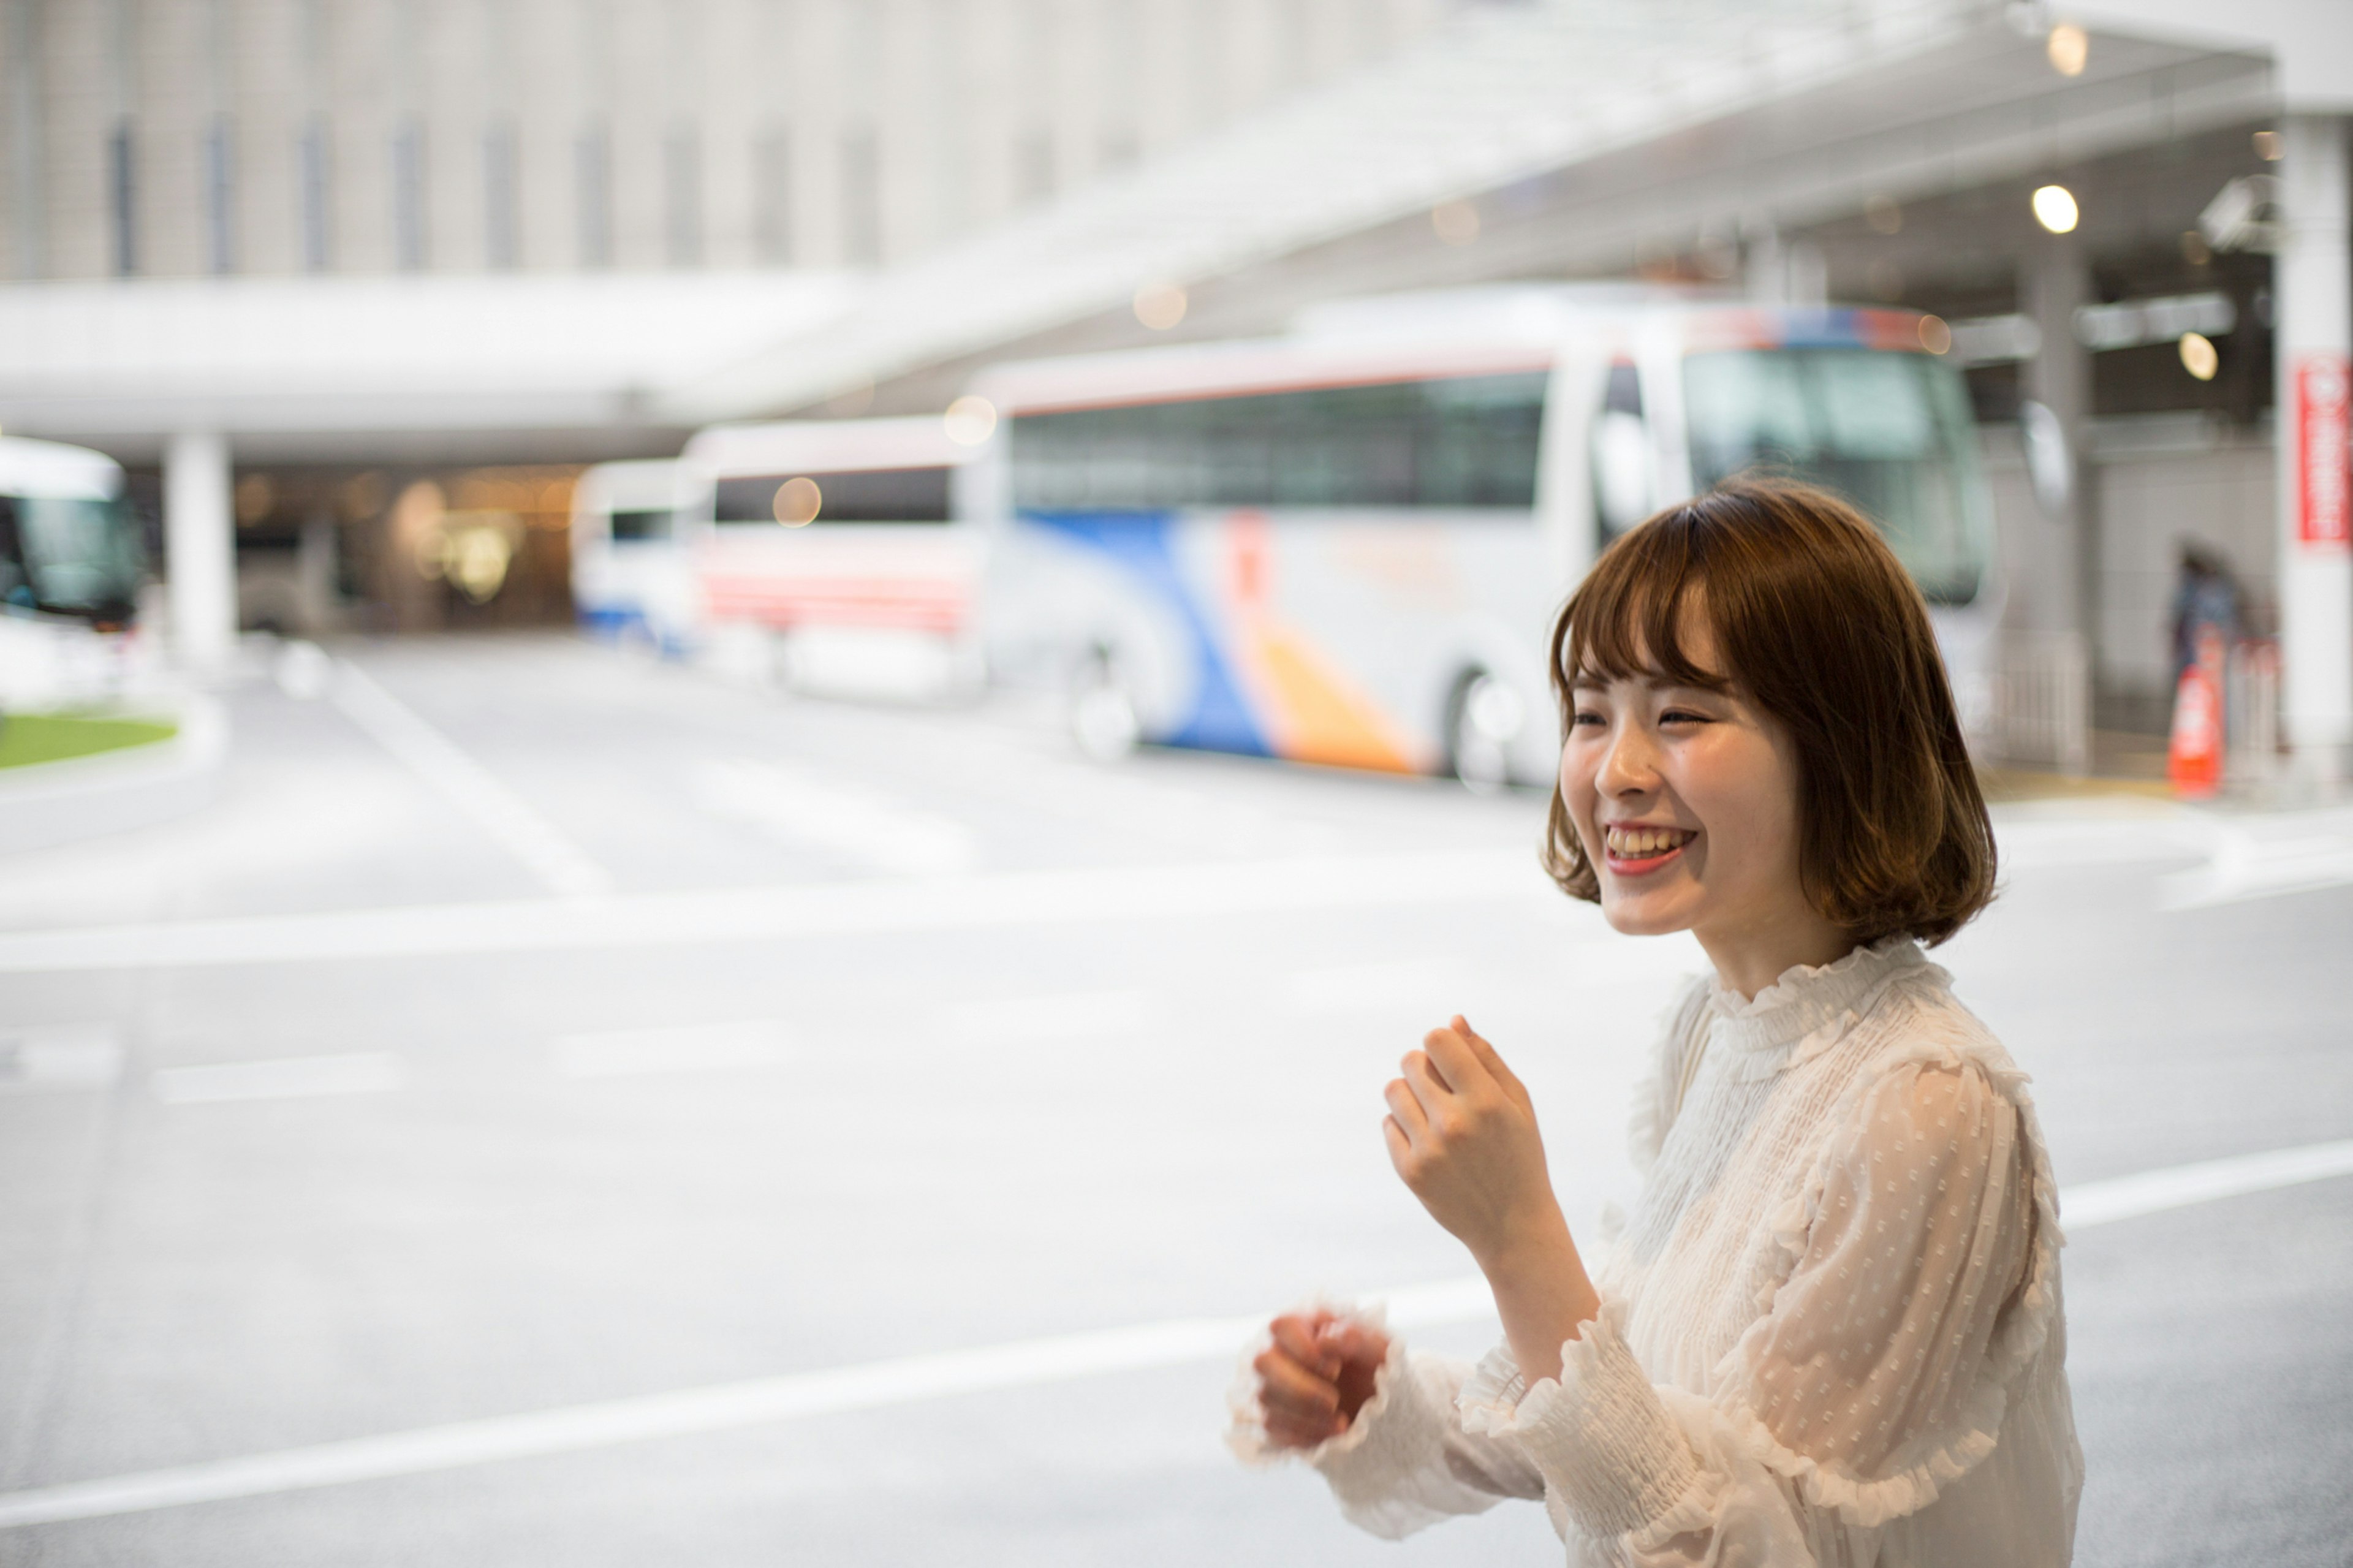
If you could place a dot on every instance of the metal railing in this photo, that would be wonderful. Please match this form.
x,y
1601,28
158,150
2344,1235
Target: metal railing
x,y
2043,701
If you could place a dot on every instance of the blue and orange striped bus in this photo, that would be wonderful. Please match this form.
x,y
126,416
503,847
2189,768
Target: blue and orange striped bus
x,y
1345,545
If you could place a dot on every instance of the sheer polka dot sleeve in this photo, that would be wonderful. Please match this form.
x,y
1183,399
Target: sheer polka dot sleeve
x,y
1874,1376
1873,1379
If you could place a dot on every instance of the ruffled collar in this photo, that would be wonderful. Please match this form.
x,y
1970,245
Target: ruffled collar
x,y
1810,1009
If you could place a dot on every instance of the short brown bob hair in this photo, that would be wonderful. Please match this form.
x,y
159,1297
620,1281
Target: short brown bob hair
x,y
1816,623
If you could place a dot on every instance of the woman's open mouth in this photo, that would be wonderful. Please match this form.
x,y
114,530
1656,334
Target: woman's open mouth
x,y
1639,851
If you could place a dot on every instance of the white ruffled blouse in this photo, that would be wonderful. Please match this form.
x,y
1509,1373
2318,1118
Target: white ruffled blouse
x,y
1830,1331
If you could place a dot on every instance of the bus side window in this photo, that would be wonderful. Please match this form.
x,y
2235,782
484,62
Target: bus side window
x,y
1621,455
15,585
640,523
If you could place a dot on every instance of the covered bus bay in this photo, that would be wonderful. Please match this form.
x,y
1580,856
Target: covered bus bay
x,y
1864,151
1879,154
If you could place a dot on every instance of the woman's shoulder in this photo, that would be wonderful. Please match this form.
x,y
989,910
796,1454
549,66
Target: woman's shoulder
x,y
1917,1021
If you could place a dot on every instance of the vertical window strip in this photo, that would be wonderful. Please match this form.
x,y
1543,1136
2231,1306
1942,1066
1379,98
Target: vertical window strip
x,y
408,235
28,194
772,203
593,175
310,170
861,197
502,194
683,195
123,198
220,196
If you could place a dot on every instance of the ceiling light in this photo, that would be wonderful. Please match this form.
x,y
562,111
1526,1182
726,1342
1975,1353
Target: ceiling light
x,y
2054,209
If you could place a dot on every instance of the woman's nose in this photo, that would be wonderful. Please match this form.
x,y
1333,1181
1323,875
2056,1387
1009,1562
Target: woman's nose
x,y
1629,765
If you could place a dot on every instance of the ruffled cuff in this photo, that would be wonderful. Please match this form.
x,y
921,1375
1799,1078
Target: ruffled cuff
x,y
1613,1460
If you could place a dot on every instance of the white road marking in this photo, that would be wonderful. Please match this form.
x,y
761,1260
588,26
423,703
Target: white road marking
x,y
2178,1186
282,1078
909,1380
562,865
791,804
65,1057
2302,853
1023,1020
696,1047
767,914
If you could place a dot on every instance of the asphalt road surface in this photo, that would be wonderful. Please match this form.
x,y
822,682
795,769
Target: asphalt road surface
x,y
556,1109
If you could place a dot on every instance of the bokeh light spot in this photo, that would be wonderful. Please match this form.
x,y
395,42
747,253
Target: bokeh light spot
x,y
2198,355
2055,209
970,419
798,501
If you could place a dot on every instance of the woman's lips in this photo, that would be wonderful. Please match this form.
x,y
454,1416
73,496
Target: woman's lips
x,y
1639,851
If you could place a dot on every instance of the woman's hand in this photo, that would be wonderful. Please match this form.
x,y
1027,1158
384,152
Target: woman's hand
x,y
1462,1135
1316,1375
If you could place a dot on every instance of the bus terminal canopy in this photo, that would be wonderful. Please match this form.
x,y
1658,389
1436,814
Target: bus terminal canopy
x,y
1630,123
1578,133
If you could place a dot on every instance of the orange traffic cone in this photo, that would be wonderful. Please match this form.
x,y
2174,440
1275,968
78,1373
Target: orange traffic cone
x,y
2193,761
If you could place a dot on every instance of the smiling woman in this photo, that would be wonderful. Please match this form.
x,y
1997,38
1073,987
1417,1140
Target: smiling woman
x,y
1830,1332
1839,714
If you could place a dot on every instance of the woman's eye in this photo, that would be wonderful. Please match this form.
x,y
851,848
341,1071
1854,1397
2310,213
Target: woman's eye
x,y
1681,716
1586,717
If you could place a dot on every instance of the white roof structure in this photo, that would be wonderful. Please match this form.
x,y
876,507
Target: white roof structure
x,y
1618,123
298,367
1852,95
1509,93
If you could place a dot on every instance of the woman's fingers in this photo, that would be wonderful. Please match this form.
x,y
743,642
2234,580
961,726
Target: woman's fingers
x,y
1405,1114
1489,1058
1429,1091
1455,1058
1299,1407
1302,1339
1400,1146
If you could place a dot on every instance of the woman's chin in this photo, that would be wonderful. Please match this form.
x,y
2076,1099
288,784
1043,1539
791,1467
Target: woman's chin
x,y
1644,916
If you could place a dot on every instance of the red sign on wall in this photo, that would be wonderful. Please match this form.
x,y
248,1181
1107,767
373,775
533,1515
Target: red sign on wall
x,y
2322,452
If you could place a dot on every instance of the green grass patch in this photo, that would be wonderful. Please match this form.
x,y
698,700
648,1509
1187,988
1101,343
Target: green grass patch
x,y
53,737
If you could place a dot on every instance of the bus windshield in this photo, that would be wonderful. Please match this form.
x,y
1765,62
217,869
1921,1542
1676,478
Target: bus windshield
x,y
77,555
1890,432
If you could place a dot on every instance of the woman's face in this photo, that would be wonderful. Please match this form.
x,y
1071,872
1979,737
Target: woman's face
x,y
1686,801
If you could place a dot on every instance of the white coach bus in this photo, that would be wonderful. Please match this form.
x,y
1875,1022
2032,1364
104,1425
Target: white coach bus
x,y
822,551
1346,545
629,572
72,563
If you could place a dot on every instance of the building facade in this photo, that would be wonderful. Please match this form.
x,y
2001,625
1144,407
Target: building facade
x,y
280,138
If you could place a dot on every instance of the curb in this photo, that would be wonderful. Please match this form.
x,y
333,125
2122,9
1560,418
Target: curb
x,y
43,803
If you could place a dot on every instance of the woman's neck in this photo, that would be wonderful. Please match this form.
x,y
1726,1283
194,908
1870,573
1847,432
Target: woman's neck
x,y
1749,958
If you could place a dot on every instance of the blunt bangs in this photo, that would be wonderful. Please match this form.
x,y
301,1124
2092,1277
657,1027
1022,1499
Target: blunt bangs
x,y
1630,613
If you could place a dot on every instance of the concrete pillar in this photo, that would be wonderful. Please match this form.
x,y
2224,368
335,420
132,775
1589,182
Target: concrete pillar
x,y
2058,378
200,550
2314,324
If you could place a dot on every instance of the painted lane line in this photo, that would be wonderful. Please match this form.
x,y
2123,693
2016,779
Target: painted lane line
x,y
641,921
696,1047
909,1380
282,1078
561,866
2178,1186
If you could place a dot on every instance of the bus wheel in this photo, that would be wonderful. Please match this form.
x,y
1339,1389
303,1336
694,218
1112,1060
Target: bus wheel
x,y
1102,714
1483,719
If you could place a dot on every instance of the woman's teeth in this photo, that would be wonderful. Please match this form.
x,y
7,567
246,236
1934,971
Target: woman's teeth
x,y
1634,843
